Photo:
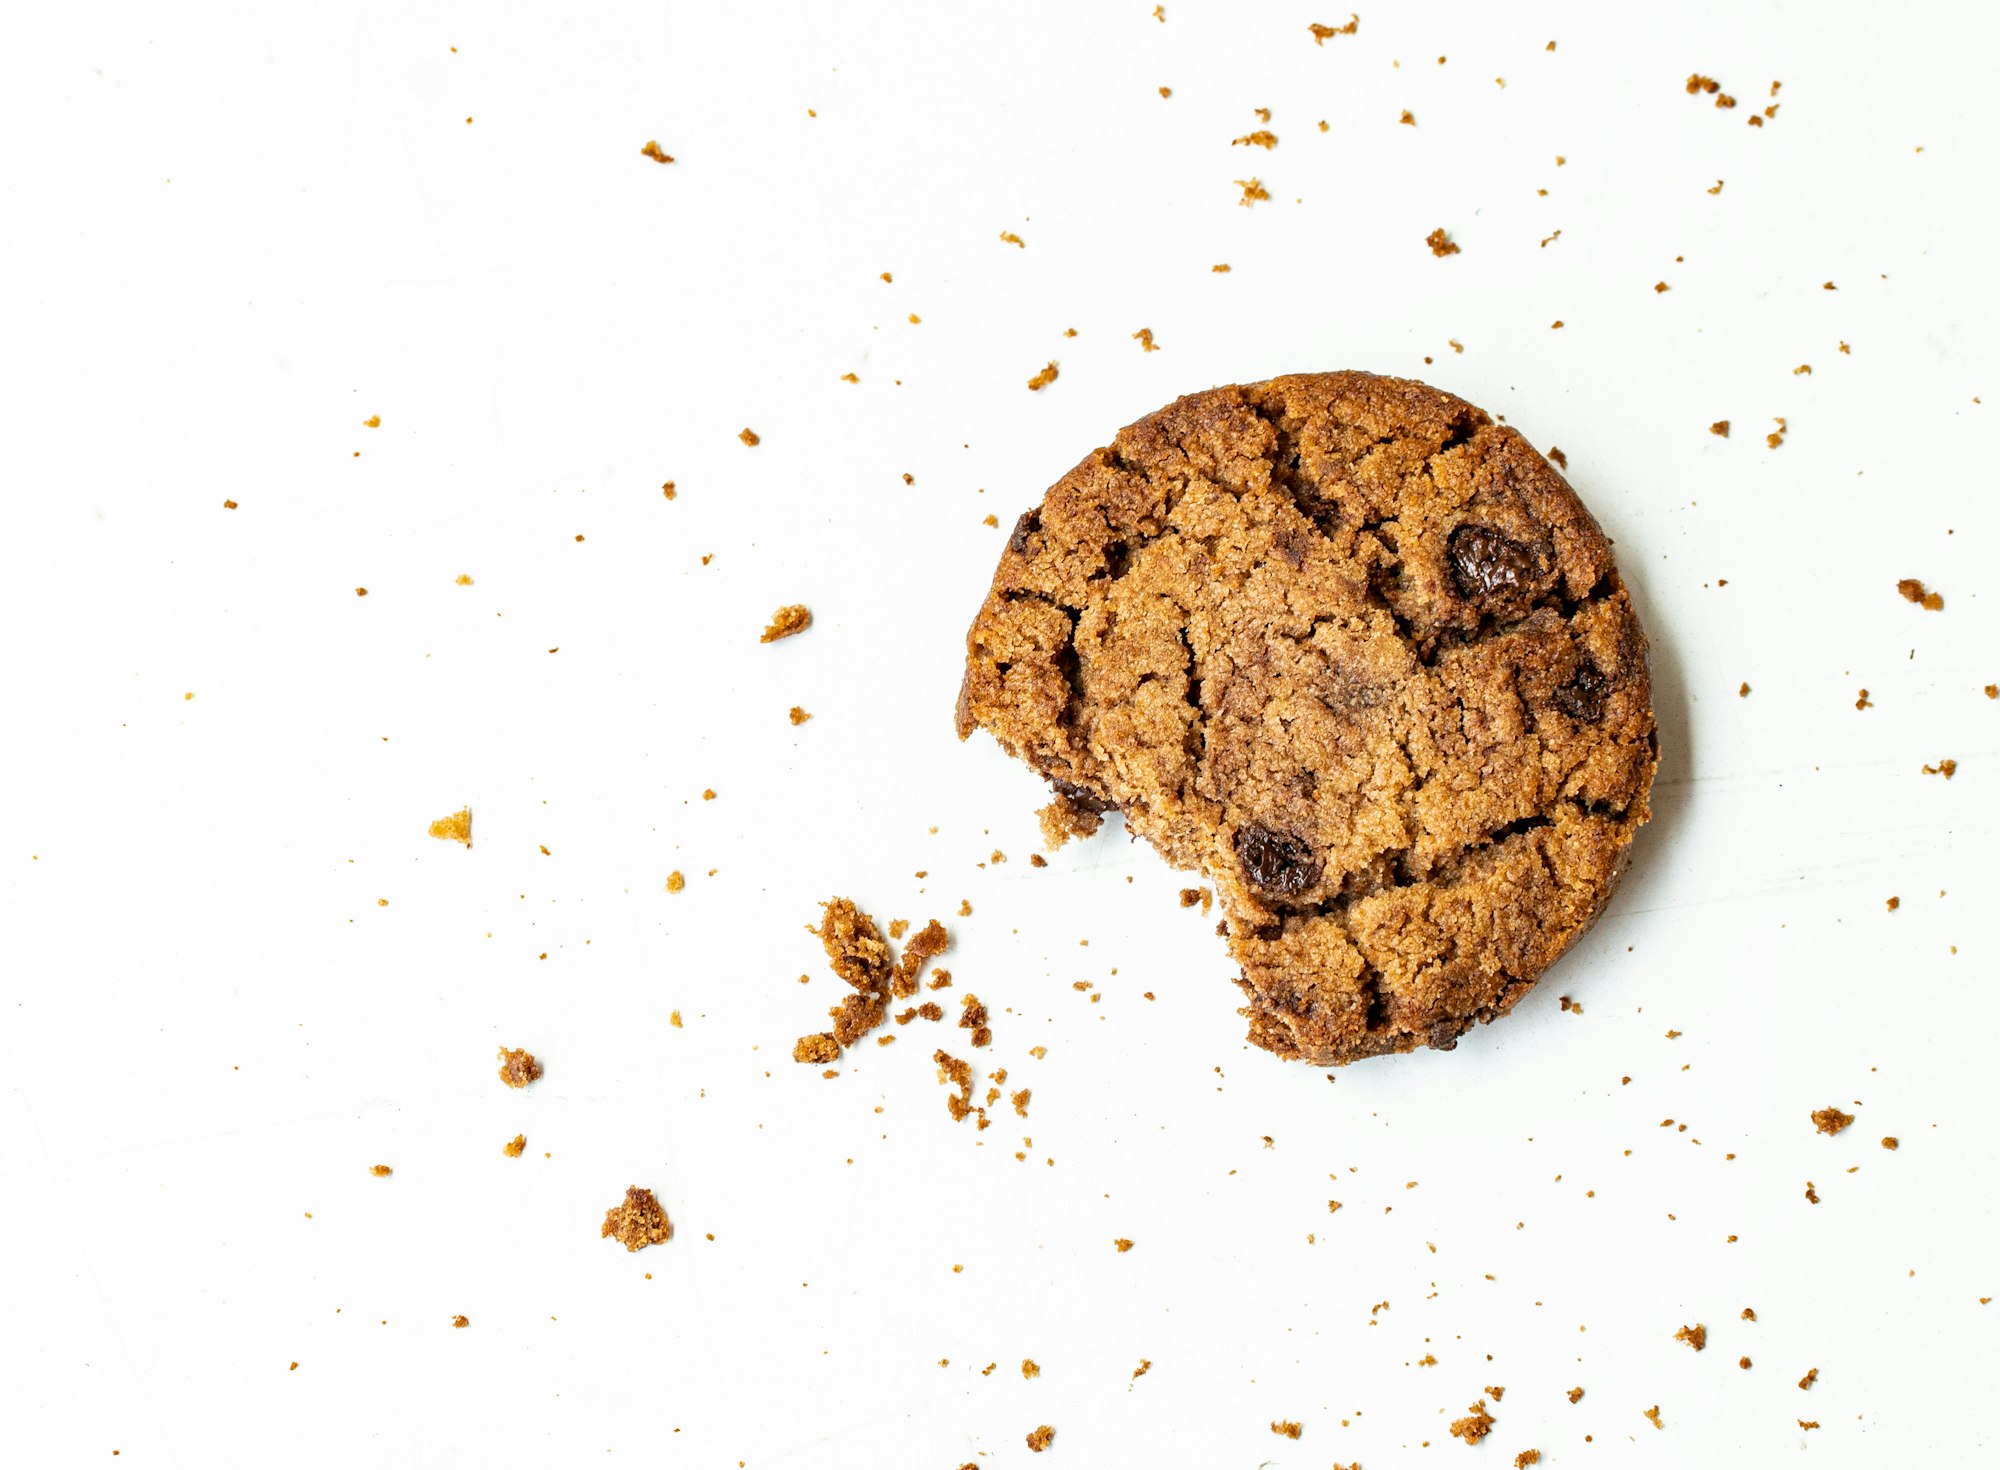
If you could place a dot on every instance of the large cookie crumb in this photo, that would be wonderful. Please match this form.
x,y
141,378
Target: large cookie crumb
x,y
638,1222
786,621
518,1068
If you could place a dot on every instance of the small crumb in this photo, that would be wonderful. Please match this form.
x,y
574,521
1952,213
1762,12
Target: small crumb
x,y
674,1019
799,716
1321,33
1808,1423
1220,268
1718,187
1043,378
1013,239
1020,1101
1041,1435
1288,1428
1812,1377
1475,1426
1253,191
638,1222
461,1320
1812,1195
1145,1367
1408,119
1720,428
1803,370
380,1171
518,1068
1743,690
1661,287
360,591
750,437
1561,460
850,378
791,619
676,881
1654,1414
1144,337
517,1147
1862,701
1123,1245
1030,1368
993,521
1576,1395
1262,138
1695,1337
1892,1143
1441,244
1743,1362
1831,1120
1913,591
455,828
1526,1458
373,421
1556,325
652,150
1166,91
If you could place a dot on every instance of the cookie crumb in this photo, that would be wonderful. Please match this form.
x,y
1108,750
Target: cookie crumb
x,y
1720,428
1913,591
1123,1245
1145,1367
1441,244
455,828
1812,1377
1654,1415
461,1320
1262,138
518,1068
637,1223
1526,1458
1288,1428
1946,768
1220,268
799,716
1040,1437
1069,816
1321,33
1043,378
1695,1337
229,505
1009,237
1892,1143
1144,337
1812,1195
1253,191
1576,1395
1831,1120
1862,701
750,437
380,1171
675,881
1776,438
1743,690
653,151
517,1147
1475,1426
788,620
1408,119
1558,458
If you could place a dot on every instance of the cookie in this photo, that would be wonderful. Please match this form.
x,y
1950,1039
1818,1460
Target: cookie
x,y
1358,654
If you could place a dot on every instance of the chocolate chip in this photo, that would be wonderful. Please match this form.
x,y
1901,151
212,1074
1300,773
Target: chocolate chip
x,y
1276,862
1583,697
1484,562
1081,797
1116,558
1030,522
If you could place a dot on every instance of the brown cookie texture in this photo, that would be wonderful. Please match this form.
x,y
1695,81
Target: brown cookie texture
x,y
1361,656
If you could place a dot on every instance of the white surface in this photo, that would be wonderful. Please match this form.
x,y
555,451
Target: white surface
x,y
230,239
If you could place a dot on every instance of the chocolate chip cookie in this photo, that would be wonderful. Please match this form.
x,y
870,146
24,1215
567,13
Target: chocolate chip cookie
x,y
1361,656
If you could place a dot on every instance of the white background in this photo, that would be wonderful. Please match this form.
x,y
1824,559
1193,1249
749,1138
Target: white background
x,y
230,234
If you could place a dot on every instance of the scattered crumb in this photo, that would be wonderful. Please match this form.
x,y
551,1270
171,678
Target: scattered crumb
x,y
674,1019
1695,1337
1526,1458
1743,690
957,1074
380,1171
1560,459
1253,191
1892,1143
518,1068
974,1019
652,151
515,1149
1776,438
1145,1367
1441,244
1812,1377
675,881
1069,816
1475,1426
750,437
1831,1120
799,716
1039,1437
1220,268
1862,701
1289,1428
461,1320
1654,1414
1030,1368
373,421
1913,591
1020,1102
1743,1362
792,618
1043,378
637,1223
1720,428
1408,119
229,505
1144,337
1576,1395
1808,1423
1320,33
1123,1245
1013,239
1812,1195
455,828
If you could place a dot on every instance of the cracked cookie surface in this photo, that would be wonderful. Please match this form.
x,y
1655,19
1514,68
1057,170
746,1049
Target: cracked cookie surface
x,y
1361,656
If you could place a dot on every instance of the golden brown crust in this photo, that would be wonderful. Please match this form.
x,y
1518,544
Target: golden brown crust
x,y
1362,657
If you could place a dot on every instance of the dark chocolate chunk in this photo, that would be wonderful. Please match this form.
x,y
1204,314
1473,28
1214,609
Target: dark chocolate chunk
x,y
1276,862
